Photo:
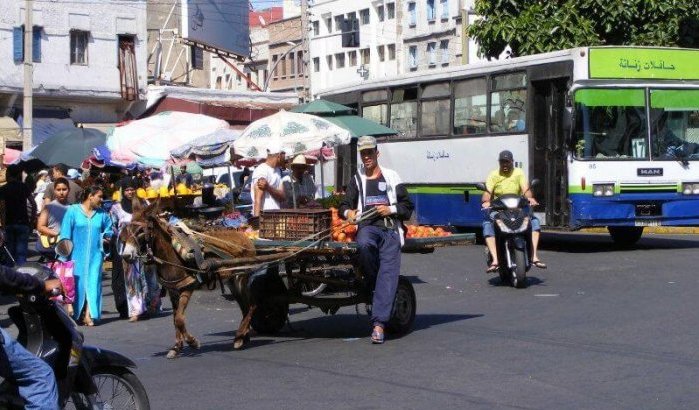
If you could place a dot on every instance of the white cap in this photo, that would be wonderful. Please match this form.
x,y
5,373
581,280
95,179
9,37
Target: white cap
x,y
274,147
73,173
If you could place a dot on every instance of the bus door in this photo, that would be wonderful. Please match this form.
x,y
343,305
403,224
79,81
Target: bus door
x,y
548,149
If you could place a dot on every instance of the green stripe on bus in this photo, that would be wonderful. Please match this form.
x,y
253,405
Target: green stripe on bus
x,y
607,97
687,99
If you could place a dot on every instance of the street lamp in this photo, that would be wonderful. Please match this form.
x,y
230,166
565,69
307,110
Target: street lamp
x,y
271,71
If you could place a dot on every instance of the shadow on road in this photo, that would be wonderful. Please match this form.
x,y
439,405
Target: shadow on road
x,y
593,243
531,281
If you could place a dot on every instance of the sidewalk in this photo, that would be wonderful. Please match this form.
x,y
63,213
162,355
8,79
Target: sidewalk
x,y
658,230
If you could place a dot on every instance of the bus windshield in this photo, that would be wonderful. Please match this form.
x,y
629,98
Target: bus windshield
x,y
674,125
611,124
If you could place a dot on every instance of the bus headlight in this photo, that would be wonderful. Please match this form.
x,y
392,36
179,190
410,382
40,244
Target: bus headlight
x,y
602,189
690,188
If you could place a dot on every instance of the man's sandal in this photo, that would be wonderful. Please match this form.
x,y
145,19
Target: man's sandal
x,y
492,268
539,264
377,337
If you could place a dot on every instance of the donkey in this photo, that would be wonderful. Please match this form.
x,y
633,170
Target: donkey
x,y
147,237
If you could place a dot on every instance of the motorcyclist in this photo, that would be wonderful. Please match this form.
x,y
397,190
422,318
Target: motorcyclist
x,y
33,376
502,181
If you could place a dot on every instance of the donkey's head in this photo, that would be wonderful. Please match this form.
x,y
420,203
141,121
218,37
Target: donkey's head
x,y
137,236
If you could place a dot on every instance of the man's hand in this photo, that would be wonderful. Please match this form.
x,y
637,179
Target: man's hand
x,y
532,201
262,184
51,284
352,215
383,210
485,205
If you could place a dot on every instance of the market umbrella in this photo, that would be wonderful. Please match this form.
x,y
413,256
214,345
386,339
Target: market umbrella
x,y
342,116
209,145
69,146
298,133
322,107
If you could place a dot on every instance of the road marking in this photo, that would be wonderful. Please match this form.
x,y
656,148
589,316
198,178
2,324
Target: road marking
x,y
547,295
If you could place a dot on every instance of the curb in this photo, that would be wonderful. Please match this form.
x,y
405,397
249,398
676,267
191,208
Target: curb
x,y
658,230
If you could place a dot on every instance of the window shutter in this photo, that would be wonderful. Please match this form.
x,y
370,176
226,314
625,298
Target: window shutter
x,y
18,44
36,44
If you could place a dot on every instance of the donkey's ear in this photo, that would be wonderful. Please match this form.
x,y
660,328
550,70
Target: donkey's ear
x,y
153,208
136,205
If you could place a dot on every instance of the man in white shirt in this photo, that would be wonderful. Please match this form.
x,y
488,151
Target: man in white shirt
x,y
266,186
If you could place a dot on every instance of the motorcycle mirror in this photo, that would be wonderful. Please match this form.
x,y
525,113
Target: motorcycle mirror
x,y
481,186
535,182
64,248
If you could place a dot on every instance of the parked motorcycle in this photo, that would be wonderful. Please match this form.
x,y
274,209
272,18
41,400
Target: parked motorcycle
x,y
88,377
511,215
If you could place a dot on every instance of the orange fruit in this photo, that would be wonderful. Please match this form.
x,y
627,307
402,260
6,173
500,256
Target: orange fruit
x,y
341,237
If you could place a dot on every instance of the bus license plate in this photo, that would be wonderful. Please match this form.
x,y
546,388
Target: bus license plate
x,y
647,222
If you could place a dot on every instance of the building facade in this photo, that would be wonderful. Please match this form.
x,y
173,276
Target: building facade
x,y
89,59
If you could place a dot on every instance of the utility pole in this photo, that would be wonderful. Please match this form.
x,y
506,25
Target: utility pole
x,y
306,51
27,107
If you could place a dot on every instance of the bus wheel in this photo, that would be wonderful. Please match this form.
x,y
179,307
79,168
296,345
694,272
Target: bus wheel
x,y
625,235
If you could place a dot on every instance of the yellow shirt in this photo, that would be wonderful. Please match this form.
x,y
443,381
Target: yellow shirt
x,y
500,184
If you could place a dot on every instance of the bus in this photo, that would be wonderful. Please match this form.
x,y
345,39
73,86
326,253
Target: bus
x,y
612,133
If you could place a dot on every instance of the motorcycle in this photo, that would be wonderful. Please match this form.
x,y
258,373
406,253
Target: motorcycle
x,y
511,215
88,377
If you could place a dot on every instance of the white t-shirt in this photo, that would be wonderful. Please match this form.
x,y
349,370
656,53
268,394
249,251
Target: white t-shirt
x,y
274,179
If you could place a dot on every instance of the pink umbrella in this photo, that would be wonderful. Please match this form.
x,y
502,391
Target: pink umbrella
x,y
11,155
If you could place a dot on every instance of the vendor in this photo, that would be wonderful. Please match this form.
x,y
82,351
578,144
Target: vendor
x,y
184,177
299,187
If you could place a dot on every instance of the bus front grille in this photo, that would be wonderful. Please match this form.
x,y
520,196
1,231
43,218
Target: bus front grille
x,y
648,188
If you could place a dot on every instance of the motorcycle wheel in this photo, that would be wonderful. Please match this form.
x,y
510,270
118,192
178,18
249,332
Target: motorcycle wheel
x,y
404,307
117,388
519,275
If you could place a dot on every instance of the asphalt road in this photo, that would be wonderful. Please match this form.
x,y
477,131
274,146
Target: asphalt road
x,y
602,328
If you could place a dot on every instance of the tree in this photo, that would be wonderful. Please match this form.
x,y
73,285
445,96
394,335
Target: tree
x,y
537,26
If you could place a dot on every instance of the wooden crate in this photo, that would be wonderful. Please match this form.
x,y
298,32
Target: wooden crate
x,y
294,224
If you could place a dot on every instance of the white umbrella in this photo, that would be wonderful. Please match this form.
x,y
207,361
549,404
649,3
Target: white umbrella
x,y
298,134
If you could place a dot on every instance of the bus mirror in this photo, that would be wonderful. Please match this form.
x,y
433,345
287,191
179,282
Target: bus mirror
x,y
535,182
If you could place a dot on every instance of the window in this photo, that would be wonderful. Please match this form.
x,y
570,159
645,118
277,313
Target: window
x,y
391,52
316,64
391,10
283,65
412,57
329,60
218,82
316,28
376,113
352,58
430,10
366,56
380,11
18,44
197,57
78,47
338,22
329,24
340,60
292,64
404,112
382,53
128,71
364,14
444,50
674,127
275,73
412,13
432,53
470,107
507,103
434,118
299,63
445,9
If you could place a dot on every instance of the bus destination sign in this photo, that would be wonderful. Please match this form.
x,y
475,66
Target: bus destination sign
x,y
644,63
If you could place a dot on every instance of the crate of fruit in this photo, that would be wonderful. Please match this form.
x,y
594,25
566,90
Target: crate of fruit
x,y
294,224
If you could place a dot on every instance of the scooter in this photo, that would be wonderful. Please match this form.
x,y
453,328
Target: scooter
x,y
511,215
87,377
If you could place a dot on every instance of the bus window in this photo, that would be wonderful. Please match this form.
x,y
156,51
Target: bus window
x,y
611,124
404,112
436,107
376,113
674,124
470,107
508,103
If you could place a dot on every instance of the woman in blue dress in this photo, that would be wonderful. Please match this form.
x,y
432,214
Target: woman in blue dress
x,y
89,227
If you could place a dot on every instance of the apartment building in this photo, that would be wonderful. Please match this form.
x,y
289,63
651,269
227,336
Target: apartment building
x,y
286,65
377,54
89,60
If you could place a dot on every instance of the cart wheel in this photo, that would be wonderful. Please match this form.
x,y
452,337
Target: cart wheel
x,y
272,307
404,307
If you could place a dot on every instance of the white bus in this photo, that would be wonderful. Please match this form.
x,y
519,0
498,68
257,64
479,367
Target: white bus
x,y
612,133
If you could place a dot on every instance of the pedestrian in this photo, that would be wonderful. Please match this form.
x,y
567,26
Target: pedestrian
x,y
49,223
89,227
58,171
379,202
20,214
42,180
266,186
132,293
299,188
184,177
